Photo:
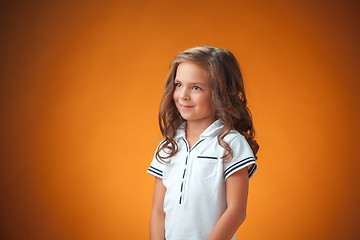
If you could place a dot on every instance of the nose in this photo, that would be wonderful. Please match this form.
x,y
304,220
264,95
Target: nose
x,y
184,94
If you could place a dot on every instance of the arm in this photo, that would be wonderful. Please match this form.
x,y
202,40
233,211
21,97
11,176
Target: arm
x,y
157,217
236,196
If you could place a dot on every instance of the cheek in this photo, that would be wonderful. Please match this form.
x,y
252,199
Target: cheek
x,y
175,95
205,101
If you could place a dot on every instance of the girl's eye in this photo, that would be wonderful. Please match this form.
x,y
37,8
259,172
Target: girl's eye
x,y
197,88
177,84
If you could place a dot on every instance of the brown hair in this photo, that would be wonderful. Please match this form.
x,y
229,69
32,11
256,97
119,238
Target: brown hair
x,y
228,97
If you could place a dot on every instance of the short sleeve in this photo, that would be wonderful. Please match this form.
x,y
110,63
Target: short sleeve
x,y
242,157
156,168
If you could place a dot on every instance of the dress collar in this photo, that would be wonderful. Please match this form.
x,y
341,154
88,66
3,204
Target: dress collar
x,y
211,130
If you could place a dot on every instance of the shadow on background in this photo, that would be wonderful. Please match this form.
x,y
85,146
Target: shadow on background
x,y
80,88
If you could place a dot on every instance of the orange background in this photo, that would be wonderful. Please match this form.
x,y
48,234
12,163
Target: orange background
x,y
80,89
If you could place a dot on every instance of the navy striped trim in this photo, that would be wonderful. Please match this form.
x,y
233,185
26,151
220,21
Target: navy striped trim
x,y
156,171
237,165
196,144
207,157
236,168
229,168
187,149
252,170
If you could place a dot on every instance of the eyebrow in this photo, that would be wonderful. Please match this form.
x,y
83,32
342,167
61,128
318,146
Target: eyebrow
x,y
194,83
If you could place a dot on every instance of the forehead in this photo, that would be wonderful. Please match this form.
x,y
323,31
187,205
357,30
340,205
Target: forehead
x,y
192,72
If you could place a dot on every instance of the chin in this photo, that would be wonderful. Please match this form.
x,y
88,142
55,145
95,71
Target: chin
x,y
187,118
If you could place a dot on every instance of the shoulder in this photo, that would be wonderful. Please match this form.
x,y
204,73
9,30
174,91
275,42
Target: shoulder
x,y
237,142
242,155
234,135
161,143
159,150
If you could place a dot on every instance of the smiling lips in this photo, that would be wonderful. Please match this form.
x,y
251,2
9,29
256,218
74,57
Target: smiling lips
x,y
185,107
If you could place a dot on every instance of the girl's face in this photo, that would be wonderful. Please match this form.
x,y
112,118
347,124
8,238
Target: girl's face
x,y
193,93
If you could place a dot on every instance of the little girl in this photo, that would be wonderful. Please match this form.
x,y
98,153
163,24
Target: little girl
x,y
203,166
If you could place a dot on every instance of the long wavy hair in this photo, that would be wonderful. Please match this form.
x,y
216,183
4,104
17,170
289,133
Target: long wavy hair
x,y
228,96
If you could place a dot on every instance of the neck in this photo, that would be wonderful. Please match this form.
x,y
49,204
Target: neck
x,y
196,128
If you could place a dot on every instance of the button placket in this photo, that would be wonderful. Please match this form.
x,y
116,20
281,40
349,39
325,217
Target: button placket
x,y
183,180
182,187
184,176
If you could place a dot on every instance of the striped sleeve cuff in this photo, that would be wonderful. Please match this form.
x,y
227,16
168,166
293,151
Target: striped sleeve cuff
x,y
241,164
155,172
